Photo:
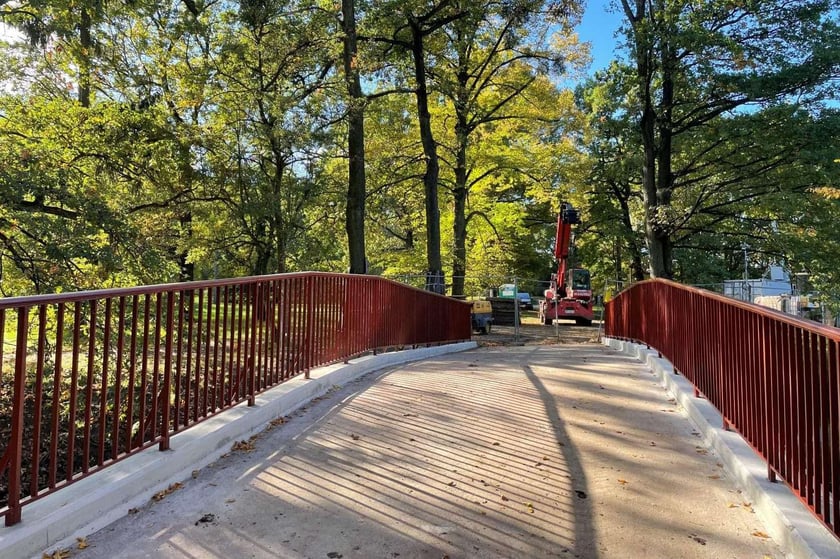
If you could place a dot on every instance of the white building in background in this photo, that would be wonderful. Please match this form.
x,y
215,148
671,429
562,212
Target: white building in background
x,y
775,290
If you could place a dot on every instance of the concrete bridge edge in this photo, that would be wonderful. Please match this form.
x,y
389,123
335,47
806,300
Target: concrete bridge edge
x,y
55,521
791,525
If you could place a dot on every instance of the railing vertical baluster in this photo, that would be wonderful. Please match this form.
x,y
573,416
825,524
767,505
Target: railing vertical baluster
x,y
132,373
74,387
56,392
89,386
198,346
118,369
167,372
251,367
188,352
208,323
180,374
156,395
38,402
15,445
237,367
217,379
225,396
310,324
103,388
144,370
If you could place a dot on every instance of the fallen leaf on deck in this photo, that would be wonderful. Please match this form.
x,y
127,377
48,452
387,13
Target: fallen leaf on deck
x,y
57,554
243,446
81,543
715,476
760,534
622,481
354,436
171,489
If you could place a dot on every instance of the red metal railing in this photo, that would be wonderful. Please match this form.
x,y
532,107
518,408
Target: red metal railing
x,y
89,378
772,376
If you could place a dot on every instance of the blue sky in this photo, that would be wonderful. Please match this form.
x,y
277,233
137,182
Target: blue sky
x,y
600,22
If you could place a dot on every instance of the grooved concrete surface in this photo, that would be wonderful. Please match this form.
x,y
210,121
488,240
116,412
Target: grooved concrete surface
x,y
534,451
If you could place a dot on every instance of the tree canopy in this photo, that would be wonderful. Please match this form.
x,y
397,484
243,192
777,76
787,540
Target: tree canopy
x,y
148,142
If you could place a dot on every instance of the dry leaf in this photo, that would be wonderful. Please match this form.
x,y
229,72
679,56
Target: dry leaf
x,y
243,446
171,489
133,511
530,507
760,534
715,476
495,444
622,481
57,554
81,543
733,506
505,498
354,436
278,421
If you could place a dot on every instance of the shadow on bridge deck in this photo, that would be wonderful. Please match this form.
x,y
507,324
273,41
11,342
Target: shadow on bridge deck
x,y
531,451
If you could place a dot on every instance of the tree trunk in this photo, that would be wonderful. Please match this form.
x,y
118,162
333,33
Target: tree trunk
x,y
356,189
637,271
84,62
665,175
430,177
459,229
187,268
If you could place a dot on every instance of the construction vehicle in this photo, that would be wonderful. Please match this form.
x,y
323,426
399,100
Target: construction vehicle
x,y
570,293
482,316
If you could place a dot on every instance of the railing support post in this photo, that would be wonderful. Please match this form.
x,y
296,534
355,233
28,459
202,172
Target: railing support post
x,y
16,439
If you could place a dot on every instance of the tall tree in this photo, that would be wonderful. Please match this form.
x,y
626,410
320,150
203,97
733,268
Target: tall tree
x,y
695,62
356,190
496,61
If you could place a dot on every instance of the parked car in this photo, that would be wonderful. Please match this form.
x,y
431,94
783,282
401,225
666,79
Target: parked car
x,y
525,301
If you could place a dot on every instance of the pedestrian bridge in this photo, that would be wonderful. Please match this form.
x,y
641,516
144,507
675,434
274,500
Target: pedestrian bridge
x,y
536,450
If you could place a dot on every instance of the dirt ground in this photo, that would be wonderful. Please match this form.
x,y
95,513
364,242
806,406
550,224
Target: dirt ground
x,y
532,332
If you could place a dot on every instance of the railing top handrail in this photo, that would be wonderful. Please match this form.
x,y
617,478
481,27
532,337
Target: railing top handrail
x,y
815,327
94,294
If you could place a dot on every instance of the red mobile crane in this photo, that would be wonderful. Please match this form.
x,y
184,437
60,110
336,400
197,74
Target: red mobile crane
x,y
570,293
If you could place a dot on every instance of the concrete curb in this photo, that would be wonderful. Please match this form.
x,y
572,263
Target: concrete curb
x,y
97,501
786,519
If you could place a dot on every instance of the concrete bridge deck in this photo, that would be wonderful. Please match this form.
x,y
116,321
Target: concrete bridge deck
x,y
507,451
